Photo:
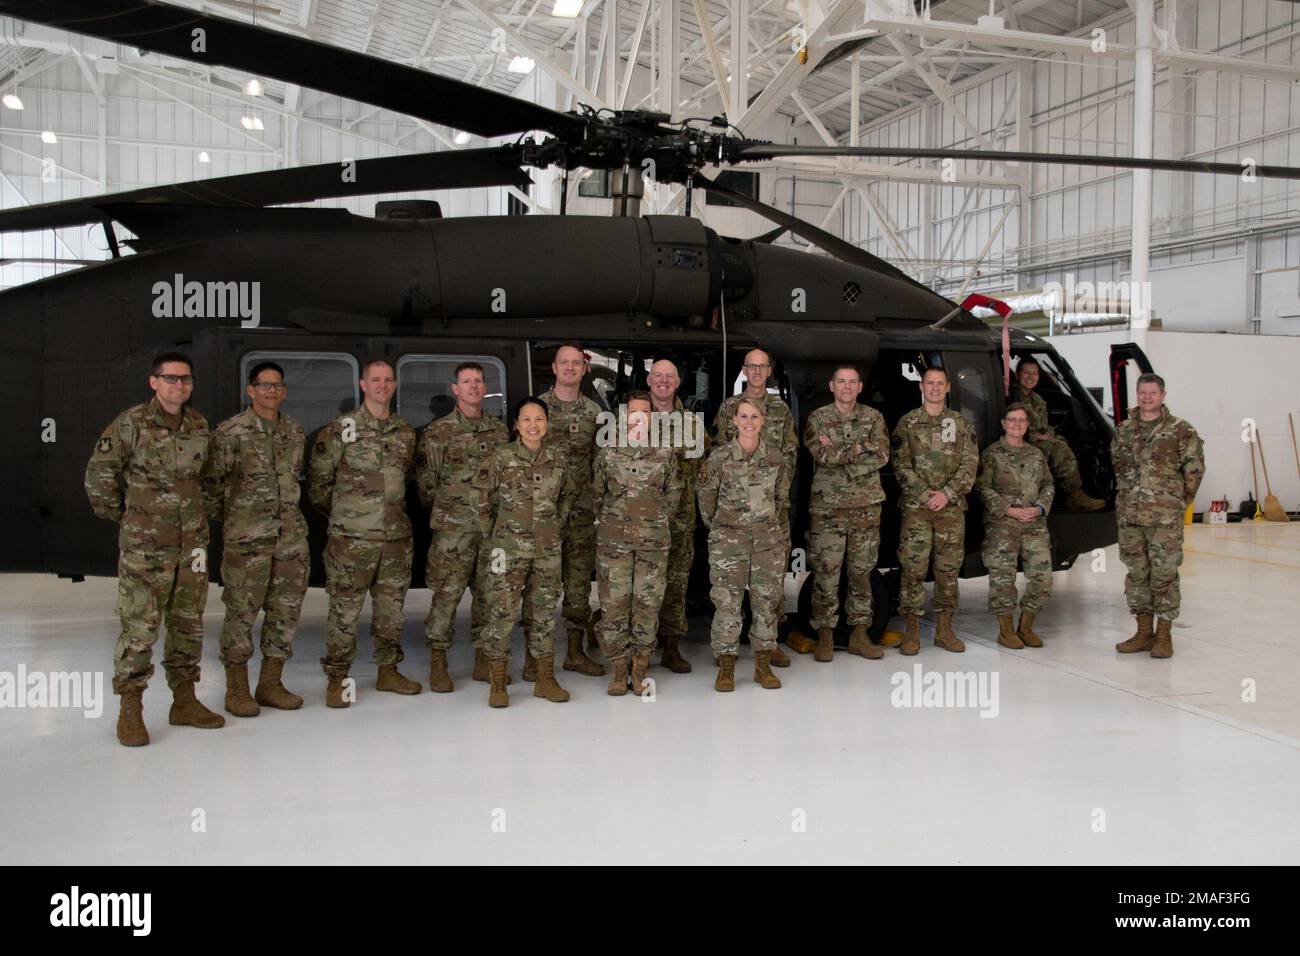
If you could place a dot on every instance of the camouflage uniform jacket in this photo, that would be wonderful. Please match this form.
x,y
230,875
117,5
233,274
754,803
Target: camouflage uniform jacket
x,y
526,498
161,466
452,450
1018,477
1035,411
571,430
743,498
778,425
847,474
923,460
683,519
1158,468
250,483
636,492
361,484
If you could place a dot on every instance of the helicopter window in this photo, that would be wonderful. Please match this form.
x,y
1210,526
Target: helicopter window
x,y
424,386
322,385
970,382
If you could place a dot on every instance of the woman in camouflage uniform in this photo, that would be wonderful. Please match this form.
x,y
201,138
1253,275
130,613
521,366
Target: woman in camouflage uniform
x,y
526,494
743,488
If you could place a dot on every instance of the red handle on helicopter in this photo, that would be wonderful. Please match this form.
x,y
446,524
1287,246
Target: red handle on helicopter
x,y
1004,310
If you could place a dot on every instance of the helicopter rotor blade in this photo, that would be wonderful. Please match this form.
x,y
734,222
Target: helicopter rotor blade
x,y
761,152
273,53
453,169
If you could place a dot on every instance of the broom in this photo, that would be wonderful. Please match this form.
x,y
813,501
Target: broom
x,y
1254,479
1273,510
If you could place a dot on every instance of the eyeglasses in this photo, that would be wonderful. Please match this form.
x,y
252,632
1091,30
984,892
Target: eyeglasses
x,y
173,379
269,386
754,365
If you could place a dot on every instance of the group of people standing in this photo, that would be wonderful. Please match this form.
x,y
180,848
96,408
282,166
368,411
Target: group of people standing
x,y
524,523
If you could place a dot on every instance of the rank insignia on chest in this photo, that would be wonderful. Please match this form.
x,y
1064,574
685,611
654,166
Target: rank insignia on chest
x,y
537,477
573,428
105,445
482,447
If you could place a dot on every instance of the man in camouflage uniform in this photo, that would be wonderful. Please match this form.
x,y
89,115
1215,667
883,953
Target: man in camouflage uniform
x,y
358,474
935,458
694,445
1015,485
1064,466
778,432
849,444
526,490
743,490
251,487
572,430
1159,463
636,489
158,449
452,450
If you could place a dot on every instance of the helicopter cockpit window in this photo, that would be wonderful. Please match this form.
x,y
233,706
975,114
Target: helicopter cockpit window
x,y
424,386
971,384
321,385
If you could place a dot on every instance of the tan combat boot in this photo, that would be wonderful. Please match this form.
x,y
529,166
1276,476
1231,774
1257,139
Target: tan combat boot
x,y
238,699
188,712
334,692
825,649
1143,639
1026,629
640,664
1078,500
1007,635
530,665
860,644
911,636
481,667
726,680
270,691
439,680
779,658
498,696
944,636
1164,644
763,671
672,656
392,680
618,675
131,731
546,685
575,659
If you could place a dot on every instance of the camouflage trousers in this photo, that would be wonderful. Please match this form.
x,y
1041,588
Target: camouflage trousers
x,y
151,586
534,584
1061,460
926,533
271,575
1003,543
354,566
577,562
832,536
677,577
452,566
732,571
1152,554
631,588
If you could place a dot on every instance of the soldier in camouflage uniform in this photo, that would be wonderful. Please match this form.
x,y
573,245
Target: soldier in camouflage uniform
x,y
1159,463
778,432
527,492
743,490
572,429
251,486
358,474
1015,485
935,458
636,489
849,444
694,445
452,450
158,449
1064,466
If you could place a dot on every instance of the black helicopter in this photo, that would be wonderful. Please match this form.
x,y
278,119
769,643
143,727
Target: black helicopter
x,y
218,271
